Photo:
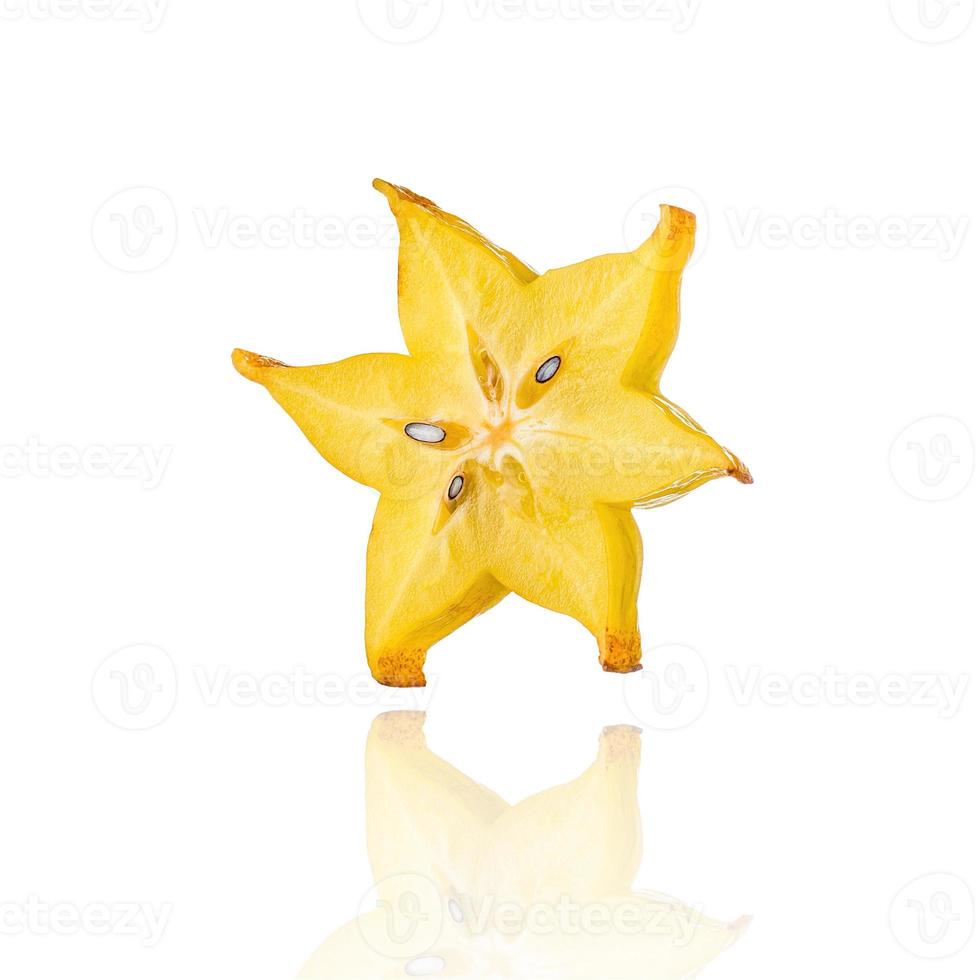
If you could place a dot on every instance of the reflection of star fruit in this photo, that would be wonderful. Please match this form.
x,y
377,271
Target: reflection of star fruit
x,y
469,886
511,443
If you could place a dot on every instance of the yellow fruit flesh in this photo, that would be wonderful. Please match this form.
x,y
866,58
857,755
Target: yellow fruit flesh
x,y
529,488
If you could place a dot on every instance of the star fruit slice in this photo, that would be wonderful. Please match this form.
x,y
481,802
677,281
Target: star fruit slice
x,y
512,441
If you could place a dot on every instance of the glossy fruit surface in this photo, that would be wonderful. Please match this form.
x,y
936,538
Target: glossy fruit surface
x,y
512,441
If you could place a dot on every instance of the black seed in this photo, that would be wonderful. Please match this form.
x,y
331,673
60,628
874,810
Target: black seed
x,y
548,370
455,487
424,432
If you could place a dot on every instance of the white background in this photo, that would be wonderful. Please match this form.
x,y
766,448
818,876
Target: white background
x,y
828,150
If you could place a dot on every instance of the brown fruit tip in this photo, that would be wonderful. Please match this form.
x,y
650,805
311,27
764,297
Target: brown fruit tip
x,y
619,651
677,221
400,668
252,366
741,472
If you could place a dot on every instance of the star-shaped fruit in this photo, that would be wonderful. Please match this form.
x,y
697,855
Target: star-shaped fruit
x,y
469,886
511,442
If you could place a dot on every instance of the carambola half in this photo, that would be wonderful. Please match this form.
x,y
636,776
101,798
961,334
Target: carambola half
x,y
511,442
